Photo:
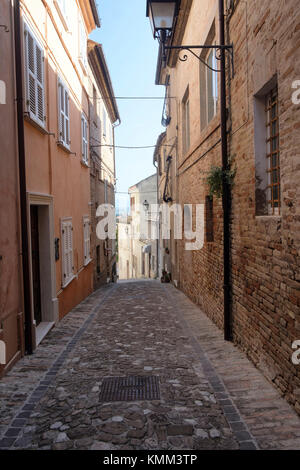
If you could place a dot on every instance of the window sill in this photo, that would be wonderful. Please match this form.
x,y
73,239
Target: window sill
x,y
35,123
87,262
268,217
64,147
84,164
68,282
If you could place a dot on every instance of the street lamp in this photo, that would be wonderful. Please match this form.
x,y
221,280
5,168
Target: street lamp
x,y
161,14
146,205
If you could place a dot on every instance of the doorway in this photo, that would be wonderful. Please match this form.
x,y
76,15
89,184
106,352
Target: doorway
x,y
43,285
35,256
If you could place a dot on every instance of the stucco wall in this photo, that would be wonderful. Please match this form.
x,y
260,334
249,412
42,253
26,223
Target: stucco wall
x,y
11,299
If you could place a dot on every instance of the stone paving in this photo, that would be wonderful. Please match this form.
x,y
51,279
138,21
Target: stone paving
x,y
208,395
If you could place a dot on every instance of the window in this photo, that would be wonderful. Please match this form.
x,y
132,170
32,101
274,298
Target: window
x,y
208,81
209,218
82,44
63,115
186,122
188,221
132,204
84,140
267,151
273,154
95,101
62,7
111,136
35,92
86,240
105,191
67,251
104,122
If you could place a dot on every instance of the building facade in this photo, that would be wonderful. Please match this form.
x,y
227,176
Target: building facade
x,y
104,116
48,75
263,146
11,286
56,102
124,248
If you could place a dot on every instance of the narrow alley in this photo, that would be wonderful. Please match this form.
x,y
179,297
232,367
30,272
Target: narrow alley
x,y
181,386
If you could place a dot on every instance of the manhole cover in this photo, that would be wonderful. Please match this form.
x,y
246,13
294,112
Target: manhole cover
x,y
132,388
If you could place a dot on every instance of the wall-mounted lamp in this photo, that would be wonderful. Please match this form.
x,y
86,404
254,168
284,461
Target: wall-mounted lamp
x,y
146,205
162,15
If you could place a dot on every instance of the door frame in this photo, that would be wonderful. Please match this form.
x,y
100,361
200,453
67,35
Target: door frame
x,y
49,301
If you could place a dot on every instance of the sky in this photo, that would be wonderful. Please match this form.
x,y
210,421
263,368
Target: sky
x,y
131,56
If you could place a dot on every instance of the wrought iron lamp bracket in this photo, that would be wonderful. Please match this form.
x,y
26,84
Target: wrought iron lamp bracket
x,y
218,48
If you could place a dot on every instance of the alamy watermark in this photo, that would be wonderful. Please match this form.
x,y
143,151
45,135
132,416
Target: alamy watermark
x,y
296,94
186,222
2,353
2,92
296,354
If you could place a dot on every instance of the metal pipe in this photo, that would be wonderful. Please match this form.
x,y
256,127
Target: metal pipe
x,y
22,182
226,196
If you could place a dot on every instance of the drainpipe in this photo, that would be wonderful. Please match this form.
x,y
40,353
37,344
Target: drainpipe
x,y
22,181
226,197
157,224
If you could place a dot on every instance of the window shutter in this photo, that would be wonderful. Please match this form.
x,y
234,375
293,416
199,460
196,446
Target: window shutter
x,y
31,80
70,250
64,253
34,78
86,142
67,247
67,117
84,139
40,82
63,115
86,240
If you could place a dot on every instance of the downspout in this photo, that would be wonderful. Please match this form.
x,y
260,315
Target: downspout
x,y
22,181
165,198
157,225
226,197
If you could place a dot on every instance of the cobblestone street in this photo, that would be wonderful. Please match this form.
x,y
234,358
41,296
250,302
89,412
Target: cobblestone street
x,y
211,396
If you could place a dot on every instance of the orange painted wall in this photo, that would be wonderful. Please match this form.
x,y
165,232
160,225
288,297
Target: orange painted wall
x,y
50,169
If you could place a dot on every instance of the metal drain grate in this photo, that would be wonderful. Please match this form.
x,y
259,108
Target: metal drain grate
x,y
132,388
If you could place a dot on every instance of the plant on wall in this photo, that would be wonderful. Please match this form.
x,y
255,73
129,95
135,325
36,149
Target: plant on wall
x,y
215,180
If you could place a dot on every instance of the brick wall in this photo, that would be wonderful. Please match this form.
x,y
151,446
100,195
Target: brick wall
x,y
265,249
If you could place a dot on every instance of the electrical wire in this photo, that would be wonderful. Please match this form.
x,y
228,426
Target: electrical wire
x,y
131,148
131,98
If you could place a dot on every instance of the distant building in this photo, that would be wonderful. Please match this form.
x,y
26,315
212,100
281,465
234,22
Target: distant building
x,y
124,248
137,233
103,115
